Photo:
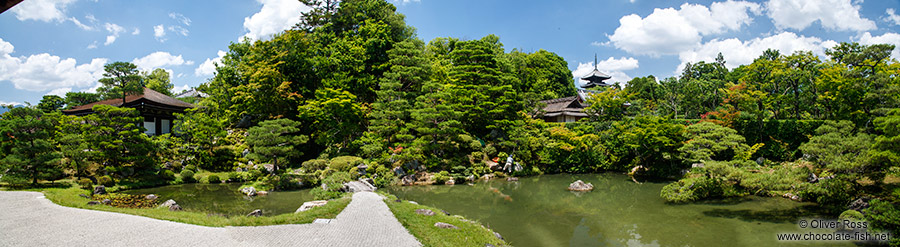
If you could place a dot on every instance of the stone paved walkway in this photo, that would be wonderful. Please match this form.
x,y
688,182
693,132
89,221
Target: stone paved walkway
x,y
29,219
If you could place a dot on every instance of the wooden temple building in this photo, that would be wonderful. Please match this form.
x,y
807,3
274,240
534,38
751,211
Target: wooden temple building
x,y
571,109
157,109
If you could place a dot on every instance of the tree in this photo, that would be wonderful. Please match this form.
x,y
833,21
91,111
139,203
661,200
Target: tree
x,y
203,131
397,93
275,140
335,117
158,80
51,103
72,145
117,142
608,105
27,142
120,79
74,99
885,151
839,149
707,142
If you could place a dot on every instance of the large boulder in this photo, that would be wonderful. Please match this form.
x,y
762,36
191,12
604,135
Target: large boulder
x,y
408,180
860,204
581,186
249,191
445,225
168,203
426,212
310,204
99,190
255,213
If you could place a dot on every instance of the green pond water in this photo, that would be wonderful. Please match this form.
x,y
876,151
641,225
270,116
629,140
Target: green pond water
x,y
539,211
227,200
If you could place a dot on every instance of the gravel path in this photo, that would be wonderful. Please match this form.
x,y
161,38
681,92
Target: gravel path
x,y
29,219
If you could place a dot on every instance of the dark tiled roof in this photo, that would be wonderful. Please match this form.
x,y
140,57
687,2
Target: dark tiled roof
x,y
568,105
148,95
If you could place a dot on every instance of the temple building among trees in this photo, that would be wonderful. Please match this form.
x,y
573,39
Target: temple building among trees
x,y
157,109
571,109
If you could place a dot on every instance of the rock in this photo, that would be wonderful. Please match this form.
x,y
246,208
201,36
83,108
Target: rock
x,y
262,193
497,235
450,182
255,213
99,190
445,212
489,245
470,178
175,207
106,201
93,202
245,152
408,180
249,191
445,225
368,181
399,171
494,166
309,205
791,196
698,165
269,167
85,196
426,212
487,176
581,186
168,203
398,200
414,202
362,169
812,178
151,197
512,179
250,164
860,204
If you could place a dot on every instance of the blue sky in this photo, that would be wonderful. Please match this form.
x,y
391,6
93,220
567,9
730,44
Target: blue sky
x,y
56,46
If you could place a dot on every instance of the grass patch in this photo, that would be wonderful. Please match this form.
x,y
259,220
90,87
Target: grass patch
x,y
69,197
470,233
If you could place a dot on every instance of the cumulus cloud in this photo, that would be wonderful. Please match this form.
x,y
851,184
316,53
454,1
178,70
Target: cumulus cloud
x,y
3,103
612,66
114,31
892,17
887,38
208,67
274,16
737,52
179,89
61,92
159,32
669,31
159,59
43,72
839,15
42,10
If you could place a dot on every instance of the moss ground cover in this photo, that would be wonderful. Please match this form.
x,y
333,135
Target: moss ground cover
x,y
470,233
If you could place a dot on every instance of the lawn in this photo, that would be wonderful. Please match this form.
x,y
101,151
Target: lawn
x,y
470,233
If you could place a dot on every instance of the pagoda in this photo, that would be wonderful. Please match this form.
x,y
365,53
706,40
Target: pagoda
x,y
595,78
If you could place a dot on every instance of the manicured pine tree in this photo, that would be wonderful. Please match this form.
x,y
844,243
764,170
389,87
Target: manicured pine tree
x,y
398,88
28,147
275,140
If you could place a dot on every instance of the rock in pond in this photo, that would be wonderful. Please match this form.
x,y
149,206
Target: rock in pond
x,y
256,213
168,203
581,186
310,204
445,225
249,191
426,212
100,190
151,197
93,202
262,192
445,212
450,182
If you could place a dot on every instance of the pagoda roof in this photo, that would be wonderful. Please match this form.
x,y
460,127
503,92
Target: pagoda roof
x,y
595,74
148,97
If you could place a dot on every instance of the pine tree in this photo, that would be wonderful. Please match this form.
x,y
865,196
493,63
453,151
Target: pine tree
x,y
399,87
28,146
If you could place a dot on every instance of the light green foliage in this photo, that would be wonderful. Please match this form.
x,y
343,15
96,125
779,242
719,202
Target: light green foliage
x,y
72,144
158,80
470,233
203,132
85,184
441,177
116,140
333,185
106,181
335,116
707,141
608,105
187,176
213,179
344,163
885,151
314,165
274,141
51,103
477,87
884,215
120,79
74,99
838,147
28,147
650,141
692,189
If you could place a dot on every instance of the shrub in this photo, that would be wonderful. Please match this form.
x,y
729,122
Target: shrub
x,y
692,189
333,186
213,179
344,163
106,181
187,176
236,177
254,175
314,165
86,183
192,168
441,177
167,174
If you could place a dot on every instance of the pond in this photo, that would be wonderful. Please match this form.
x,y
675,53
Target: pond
x,y
225,199
539,211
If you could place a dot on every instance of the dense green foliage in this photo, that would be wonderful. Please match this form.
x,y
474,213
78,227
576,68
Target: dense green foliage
x,y
27,147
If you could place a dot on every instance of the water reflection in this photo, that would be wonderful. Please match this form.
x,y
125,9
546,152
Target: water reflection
x,y
225,199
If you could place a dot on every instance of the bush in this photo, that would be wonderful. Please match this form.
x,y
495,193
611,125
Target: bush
x,y
187,176
344,163
692,189
213,179
254,175
314,165
334,185
441,177
85,183
192,168
106,181
167,174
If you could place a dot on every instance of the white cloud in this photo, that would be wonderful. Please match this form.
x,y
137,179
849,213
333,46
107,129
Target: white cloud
x,y
92,45
180,18
61,92
114,31
91,18
669,31
42,10
159,32
274,16
887,38
839,15
416,1
737,52
178,30
892,17
3,103
611,66
179,89
43,72
109,40
136,31
208,67
81,25
159,59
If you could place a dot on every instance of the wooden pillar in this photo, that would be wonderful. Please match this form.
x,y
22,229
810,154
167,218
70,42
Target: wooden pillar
x,y
158,125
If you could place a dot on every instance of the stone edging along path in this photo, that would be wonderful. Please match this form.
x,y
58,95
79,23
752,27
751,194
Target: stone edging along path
x,y
29,219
